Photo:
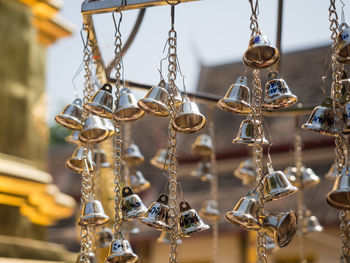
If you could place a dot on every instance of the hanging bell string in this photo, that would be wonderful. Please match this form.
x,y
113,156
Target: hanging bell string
x,y
254,26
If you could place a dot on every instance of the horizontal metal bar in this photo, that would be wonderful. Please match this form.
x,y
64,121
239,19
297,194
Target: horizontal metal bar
x,y
108,6
211,99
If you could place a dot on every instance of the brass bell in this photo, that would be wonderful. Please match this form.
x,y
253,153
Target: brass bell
x,y
120,251
165,238
281,226
308,177
260,54
311,223
177,96
73,138
138,182
101,104
90,257
277,93
76,162
247,134
105,237
160,159
203,145
188,119
93,214
189,220
343,49
109,125
100,158
71,116
156,101
203,171
246,172
126,107
245,213
321,119
339,197
133,156
93,130
237,98
157,215
332,173
276,185
210,211
132,205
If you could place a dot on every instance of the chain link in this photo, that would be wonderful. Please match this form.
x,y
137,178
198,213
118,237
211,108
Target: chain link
x,y
257,119
254,26
337,70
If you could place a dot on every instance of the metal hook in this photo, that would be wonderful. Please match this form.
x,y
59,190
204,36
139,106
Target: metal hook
x,y
85,43
117,25
342,12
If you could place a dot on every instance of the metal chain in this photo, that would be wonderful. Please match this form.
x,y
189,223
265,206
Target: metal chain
x,y
301,206
118,52
254,26
214,184
257,119
339,140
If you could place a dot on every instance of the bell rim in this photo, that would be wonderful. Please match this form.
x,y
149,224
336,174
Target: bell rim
x,y
206,177
309,127
202,150
135,214
292,101
133,256
76,169
249,142
135,117
223,105
160,226
190,130
95,108
197,229
61,119
142,104
275,195
140,188
232,215
98,139
159,165
336,204
254,65
135,160
101,219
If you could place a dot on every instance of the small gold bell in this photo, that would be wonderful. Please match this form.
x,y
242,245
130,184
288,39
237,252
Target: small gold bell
x,y
120,251
156,101
260,54
160,159
277,93
101,104
339,197
203,145
332,173
237,98
203,171
126,107
311,223
189,220
76,162
93,214
308,177
100,158
276,185
133,156
132,205
73,138
188,119
247,133
93,130
210,211
71,116
157,215
343,49
138,182
245,213
321,119
282,226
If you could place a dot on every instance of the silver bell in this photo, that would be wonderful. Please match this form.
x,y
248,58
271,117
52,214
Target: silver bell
x,y
101,104
132,205
93,130
189,220
203,171
133,155
247,133
93,214
311,223
210,211
71,116
308,177
120,251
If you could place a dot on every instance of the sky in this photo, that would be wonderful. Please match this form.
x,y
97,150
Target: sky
x,y
209,32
